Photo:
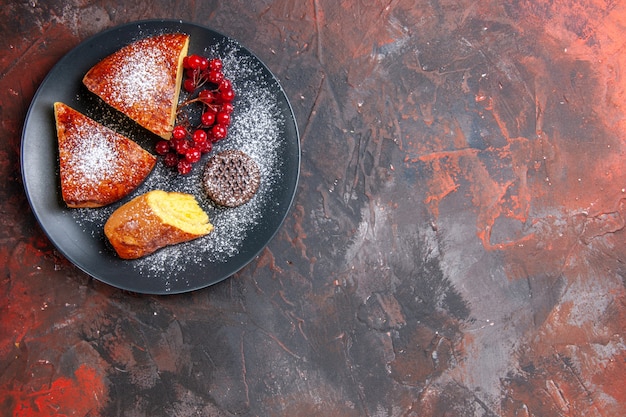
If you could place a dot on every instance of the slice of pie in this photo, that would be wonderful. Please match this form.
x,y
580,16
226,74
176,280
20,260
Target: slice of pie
x,y
142,80
97,165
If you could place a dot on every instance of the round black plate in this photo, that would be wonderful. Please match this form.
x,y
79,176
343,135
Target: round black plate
x,y
263,126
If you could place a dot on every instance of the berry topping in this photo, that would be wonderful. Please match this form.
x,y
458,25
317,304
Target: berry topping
x,y
170,160
227,107
184,167
199,136
219,131
206,96
189,85
162,147
215,64
193,61
203,117
181,146
227,95
208,118
216,76
179,132
223,118
205,147
193,155
225,84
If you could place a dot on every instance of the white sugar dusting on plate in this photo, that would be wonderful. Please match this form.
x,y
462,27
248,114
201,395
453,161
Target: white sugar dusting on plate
x,y
256,130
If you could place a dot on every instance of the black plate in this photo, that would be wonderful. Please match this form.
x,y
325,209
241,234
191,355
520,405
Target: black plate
x,y
263,125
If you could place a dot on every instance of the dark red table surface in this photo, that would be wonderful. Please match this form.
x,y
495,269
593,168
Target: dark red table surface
x,y
456,246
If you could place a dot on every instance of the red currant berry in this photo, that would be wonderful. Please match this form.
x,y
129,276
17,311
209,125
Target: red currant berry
x,y
182,146
223,118
208,118
228,107
225,84
194,61
227,95
205,147
184,167
206,84
179,132
199,136
170,160
162,147
193,155
219,131
206,96
215,64
174,142
215,76
189,85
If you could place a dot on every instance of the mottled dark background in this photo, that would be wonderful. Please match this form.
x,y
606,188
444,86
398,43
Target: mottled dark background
x,y
456,246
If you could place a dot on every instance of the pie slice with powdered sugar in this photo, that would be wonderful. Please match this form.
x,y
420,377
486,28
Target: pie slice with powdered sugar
x,y
142,80
97,165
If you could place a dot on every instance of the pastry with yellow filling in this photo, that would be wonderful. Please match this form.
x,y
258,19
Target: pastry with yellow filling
x,y
154,220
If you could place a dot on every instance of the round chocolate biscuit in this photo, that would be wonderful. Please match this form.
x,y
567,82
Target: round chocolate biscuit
x,y
231,178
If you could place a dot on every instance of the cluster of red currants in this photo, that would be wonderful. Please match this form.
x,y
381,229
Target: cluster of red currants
x,y
205,84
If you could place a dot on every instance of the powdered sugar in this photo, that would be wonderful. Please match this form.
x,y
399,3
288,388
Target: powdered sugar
x,y
94,157
256,130
136,83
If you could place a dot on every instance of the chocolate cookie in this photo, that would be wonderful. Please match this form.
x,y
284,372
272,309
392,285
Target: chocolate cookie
x,y
231,178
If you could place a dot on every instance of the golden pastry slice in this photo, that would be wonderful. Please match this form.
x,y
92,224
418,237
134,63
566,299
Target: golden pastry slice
x,y
154,220
97,166
142,80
